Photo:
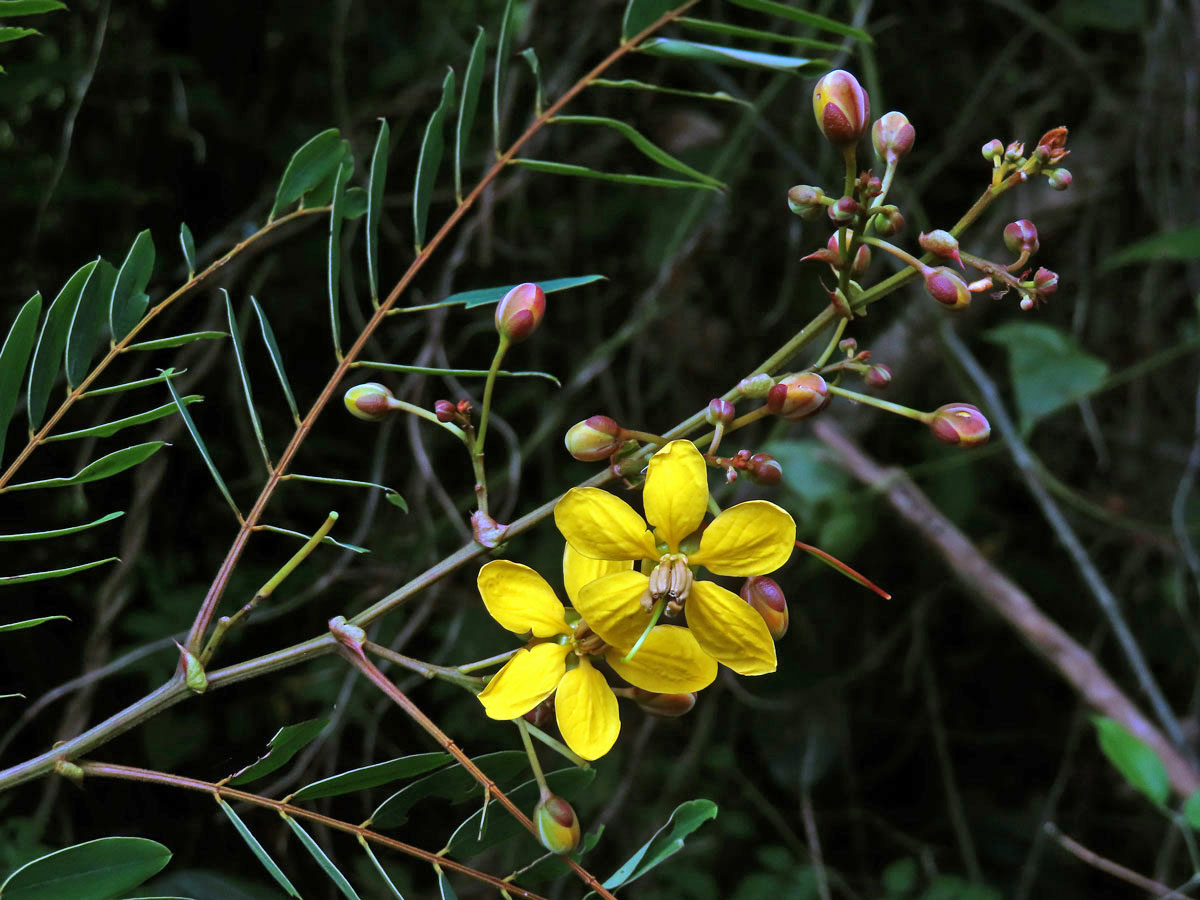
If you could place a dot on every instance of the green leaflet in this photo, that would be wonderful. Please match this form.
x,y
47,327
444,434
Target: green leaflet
x,y
96,870
334,268
333,542
444,889
754,34
469,838
457,373
60,532
323,861
202,447
54,573
105,467
133,385
14,356
30,623
108,429
378,178
276,358
730,56
633,85
372,776
322,194
432,146
667,841
1133,758
287,742
824,23
240,359
644,145
467,106
393,497
83,337
11,8
556,168
129,300
308,167
530,56
1181,245
484,296
380,869
257,849
454,784
51,343
641,14
501,64
188,244
13,34
178,340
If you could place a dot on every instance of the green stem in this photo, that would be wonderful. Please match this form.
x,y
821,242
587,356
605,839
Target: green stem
x,y
903,255
896,408
832,345
501,349
490,661
658,609
645,437
427,415
426,670
850,158
533,760
559,747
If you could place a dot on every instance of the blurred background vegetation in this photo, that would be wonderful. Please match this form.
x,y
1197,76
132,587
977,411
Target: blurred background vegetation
x,y
925,740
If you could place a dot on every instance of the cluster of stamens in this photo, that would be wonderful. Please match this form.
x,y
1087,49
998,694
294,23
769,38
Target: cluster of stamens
x,y
672,579
586,642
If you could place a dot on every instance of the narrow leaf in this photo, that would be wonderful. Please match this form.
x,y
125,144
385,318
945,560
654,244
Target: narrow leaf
x,y
257,849
133,385
355,206
447,892
837,565
380,869
239,357
14,357
287,742
51,343
83,337
95,870
379,164
323,861
322,194
501,65
129,299
458,373
824,23
666,842
372,776
731,56
53,573
178,340
200,445
188,245
14,34
484,296
1133,758
392,496
10,8
333,542
647,147
429,161
105,467
556,168
641,14
307,168
469,839
59,532
1181,245
754,34
30,623
467,106
276,358
334,267
1191,810
631,84
530,56
108,429
454,784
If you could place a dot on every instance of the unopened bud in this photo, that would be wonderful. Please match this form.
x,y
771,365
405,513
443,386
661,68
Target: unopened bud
x,y
848,345
756,386
960,424
1053,145
668,706
842,108
798,396
947,288
520,312
542,714
1021,237
843,211
719,411
862,261
879,376
892,135
1060,179
889,222
1045,281
806,201
764,469
193,673
941,243
445,411
594,439
1014,151
371,402
992,150
557,825
766,596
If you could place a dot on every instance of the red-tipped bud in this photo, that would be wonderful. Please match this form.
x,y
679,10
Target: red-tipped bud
x,y
878,376
193,672
848,345
1014,151
594,439
756,386
892,135
960,424
766,596
947,288
764,469
1021,237
520,312
720,411
445,411
862,261
806,201
842,108
843,211
488,532
992,150
889,222
797,396
542,714
667,706
1052,145
941,243
557,825
1060,179
1045,282
371,402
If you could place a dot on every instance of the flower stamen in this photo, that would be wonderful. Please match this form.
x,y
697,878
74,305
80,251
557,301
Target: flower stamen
x,y
586,642
671,580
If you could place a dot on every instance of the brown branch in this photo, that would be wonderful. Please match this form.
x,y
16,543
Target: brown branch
x,y
1104,864
1001,595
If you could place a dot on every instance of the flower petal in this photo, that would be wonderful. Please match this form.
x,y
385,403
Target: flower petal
x,y
602,526
578,570
520,600
613,609
752,538
525,681
728,629
676,493
587,711
670,661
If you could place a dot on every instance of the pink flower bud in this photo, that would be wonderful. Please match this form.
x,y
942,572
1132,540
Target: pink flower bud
x,y
445,411
520,312
1053,145
947,288
806,201
879,376
370,402
797,396
941,243
1060,179
594,439
1045,282
1021,237
557,825
892,136
960,424
667,706
1014,151
844,211
862,261
764,469
842,108
992,150
766,596
720,411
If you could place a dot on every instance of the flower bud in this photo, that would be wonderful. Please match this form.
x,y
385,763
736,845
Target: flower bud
x,y
879,376
756,386
194,675
764,469
862,261
594,439
1021,237
1060,179
798,396
960,424
843,211
445,410
766,596
370,402
542,714
668,706
992,150
892,136
947,288
719,411
889,221
842,108
520,312
941,243
1053,145
806,201
1014,151
1045,282
557,825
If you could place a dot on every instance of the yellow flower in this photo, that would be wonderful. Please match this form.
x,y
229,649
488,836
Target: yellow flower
x,y
752,538
669,660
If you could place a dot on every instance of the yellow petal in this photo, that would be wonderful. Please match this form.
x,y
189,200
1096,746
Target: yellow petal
x,y
525,681
729,629
613,609
670,661
587,712
602,526
578,570
520,600
752,538
676,493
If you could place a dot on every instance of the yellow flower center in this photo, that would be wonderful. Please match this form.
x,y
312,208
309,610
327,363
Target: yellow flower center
x,y
670,579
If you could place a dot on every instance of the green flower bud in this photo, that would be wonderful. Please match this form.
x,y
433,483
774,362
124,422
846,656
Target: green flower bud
x,y
960,424
992,150
557,825
193,673
1060,179
594,439
842,108
892,135
947,288
798,396
889,221
371,402
520,312
806,201
766,596
756,386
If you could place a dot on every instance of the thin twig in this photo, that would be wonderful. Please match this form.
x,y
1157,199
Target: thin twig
x,y
1104,864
